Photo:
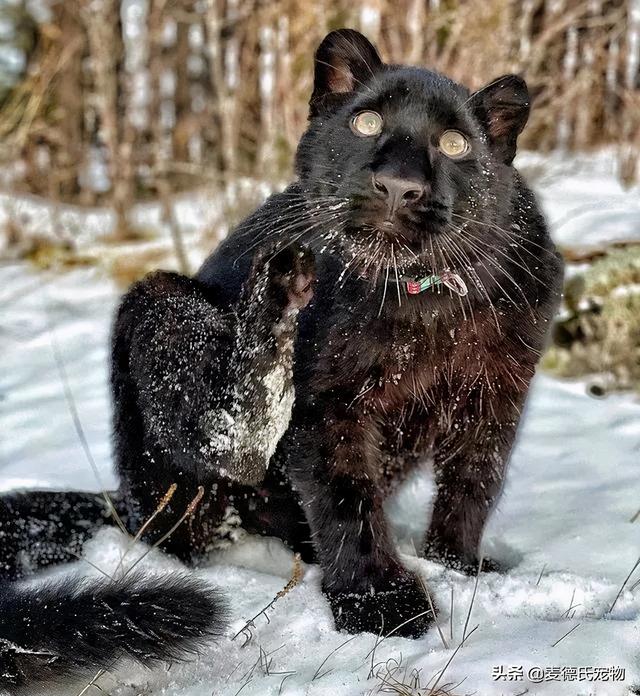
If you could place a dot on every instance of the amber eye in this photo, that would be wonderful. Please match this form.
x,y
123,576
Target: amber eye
x,y
366,123
453,144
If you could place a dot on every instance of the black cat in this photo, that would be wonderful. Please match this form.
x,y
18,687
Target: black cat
x,y
437,281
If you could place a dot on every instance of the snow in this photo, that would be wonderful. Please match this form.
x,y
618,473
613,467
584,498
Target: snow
x,y
563,526
585,204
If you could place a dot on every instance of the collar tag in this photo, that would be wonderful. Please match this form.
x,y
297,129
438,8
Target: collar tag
x,y
454,282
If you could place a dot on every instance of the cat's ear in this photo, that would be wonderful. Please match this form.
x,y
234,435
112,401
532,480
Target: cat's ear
x,y
503,109
344,60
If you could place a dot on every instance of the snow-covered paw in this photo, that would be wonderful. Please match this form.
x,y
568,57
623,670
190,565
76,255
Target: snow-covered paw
x,y
465,564
293,269
402,605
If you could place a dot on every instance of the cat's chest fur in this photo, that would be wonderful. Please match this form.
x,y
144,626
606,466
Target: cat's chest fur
x,y
385,363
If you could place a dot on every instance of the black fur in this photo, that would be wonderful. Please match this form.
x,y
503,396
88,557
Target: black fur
x,y
72,628
41,528
383,380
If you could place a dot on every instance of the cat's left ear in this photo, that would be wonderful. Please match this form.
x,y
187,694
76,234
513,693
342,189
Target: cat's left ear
x,y
344,61
503,109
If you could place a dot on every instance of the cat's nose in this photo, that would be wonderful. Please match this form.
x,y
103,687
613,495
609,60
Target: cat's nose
x,y
398,191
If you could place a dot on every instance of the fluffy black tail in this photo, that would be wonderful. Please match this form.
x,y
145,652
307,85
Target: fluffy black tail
x,y
72,628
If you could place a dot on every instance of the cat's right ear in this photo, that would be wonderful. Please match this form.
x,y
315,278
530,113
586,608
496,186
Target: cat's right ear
x,y
344,60
503,108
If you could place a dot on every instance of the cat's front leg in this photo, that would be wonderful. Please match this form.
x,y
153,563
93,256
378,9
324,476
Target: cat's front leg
x,y
254,414
334,465
470,462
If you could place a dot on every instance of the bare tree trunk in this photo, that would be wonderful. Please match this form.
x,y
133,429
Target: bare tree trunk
x,y
104,27
184,121
160,155
224,65
68,155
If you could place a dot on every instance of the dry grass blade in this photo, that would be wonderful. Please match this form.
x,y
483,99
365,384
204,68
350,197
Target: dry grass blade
x,y
317,674
373,651
451,616
265,663
565,635
77,424
397,628
191,508
406,685
166,499
570,612
283,681
473,598
433,691
425,589
296,576
407,682
624,584
433,610
93,683
93,565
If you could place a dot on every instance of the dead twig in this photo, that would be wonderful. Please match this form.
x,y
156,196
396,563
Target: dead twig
x,y
295,579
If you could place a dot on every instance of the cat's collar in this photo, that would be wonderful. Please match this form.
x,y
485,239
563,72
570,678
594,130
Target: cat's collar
x,y
415,286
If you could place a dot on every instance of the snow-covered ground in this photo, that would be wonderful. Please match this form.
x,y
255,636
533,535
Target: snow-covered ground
x,y
563,525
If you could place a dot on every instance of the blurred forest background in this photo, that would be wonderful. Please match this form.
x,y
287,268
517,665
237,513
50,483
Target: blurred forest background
x,y
108,104
113,101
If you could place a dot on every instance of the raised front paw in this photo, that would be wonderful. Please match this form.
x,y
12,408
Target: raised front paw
x,y
401,605
293,270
